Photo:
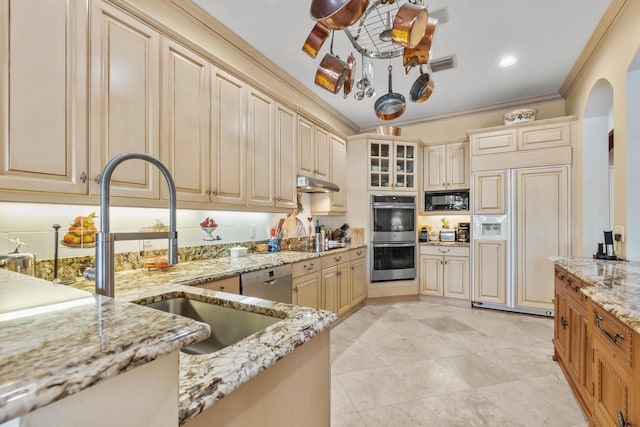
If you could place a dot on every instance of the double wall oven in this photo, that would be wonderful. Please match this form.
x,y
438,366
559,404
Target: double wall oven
x,y
393,238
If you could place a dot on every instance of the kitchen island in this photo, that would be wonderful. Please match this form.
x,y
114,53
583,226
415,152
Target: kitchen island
x,y
597,336
205,379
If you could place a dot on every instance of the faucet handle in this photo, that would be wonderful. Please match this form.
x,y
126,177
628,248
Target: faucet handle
x,y
89,273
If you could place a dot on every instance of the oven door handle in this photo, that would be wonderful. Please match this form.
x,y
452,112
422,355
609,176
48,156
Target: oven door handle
x,y
393,245
391,206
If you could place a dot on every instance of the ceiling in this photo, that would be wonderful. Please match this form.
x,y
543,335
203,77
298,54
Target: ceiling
x,y
546,37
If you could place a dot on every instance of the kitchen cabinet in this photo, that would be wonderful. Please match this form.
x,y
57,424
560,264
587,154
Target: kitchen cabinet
x,y
285,161
334,203
490,192
540,136
43,91
502,140
358,276
185,137
392,165
229,284
444,271
336,282
228,136
125,72
260,149
329,289
489,283
307,283
313,149
446,167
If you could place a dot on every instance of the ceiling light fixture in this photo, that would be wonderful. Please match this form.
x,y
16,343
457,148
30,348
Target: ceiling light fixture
x,y
377,29
508,61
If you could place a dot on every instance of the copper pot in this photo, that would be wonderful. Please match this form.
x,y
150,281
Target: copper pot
x,y
388,130
348,81
422,88
314,42
331,73
420,54
409,25
390,105
337,14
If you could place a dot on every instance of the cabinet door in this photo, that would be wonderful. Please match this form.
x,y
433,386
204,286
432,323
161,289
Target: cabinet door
x,y
330,289
379,166
339,174
434,174
404,166
228,139
431,280
306,135
43,145
306,290
544,136
490,192
541,204
499,141
185,138
456,277
358,284
344,287
489,279
322,153
612,394
124,100
260,149
560,330
575,340
585,386
457,166
285,169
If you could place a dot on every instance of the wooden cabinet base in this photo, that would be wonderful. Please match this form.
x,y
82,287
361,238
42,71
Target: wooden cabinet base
x,y
295,391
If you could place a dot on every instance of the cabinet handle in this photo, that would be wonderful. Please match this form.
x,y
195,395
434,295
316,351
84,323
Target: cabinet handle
x,y
98,178
308,267
611,337
622,422
338,273
445,262
83,177
564,323
576,289
444,251
337,258
295,289
440,261
358,253
222,288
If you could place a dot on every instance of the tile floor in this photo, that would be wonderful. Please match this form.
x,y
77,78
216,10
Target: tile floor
x,y
428,364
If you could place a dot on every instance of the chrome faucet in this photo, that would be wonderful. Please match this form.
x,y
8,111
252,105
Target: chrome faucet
x,y
105,239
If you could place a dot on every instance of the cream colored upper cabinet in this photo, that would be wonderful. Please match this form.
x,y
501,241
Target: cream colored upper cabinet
x,y
313,149
124,100
285,160
43,91
339,173
185,137
542,213
392,165
490,192
228,153
497,141
260,149
446,167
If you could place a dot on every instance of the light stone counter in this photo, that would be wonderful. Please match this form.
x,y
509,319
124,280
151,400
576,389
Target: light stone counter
x,y
205,379
615,285
56,341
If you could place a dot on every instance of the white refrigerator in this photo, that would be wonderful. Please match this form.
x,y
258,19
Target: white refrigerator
x,y
520,218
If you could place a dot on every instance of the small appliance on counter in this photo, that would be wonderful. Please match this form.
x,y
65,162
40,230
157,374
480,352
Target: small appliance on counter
x,y
605,250
19,262
464,229
424,234
447,235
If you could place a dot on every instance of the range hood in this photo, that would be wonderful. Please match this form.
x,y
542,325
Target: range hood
x,y
314,185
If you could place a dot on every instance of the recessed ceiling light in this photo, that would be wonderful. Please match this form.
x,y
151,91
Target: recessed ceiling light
x,y
508,61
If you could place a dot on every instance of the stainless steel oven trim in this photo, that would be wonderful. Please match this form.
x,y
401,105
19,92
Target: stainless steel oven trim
x,y
396,273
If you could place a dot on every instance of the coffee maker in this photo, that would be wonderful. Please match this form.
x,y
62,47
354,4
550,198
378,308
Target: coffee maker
x,y
606,251
464,229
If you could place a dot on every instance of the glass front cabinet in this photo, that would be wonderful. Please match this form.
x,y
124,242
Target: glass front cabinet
x,y
392,165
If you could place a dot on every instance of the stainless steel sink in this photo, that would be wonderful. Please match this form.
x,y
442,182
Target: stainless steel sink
x,y
228,325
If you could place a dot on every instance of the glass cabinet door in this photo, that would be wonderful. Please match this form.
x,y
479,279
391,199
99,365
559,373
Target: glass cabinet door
x,y
392,165
405,163
380,164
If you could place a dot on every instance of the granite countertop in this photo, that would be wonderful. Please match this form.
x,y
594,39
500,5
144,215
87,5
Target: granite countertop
x,y
56,341
615,285
462,244
204,379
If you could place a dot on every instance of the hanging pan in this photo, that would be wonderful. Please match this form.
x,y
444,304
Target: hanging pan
x,y
337,14
351,69
331,72
420,54
314,42
409,25
422,88
390,105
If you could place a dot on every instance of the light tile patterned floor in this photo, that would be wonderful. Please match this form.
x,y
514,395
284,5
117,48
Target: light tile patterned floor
x,y
427,364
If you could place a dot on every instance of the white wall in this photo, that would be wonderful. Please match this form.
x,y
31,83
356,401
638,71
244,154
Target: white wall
x,y
633,162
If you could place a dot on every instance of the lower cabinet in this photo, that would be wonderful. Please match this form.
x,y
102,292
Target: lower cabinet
x,y
230,285
306,283
444,271
358,277
336,282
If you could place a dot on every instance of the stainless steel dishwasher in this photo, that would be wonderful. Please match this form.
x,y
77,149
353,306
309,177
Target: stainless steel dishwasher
x,y
272,283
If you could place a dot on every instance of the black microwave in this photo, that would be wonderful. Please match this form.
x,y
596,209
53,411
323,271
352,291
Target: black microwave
x,y
447,200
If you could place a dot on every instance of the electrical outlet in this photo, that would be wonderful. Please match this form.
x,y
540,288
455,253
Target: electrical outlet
x,y
618,233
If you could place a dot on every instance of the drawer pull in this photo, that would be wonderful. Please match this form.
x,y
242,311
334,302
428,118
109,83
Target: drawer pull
x,y
611,337
337,258
443,251
308,267
622,422
564,323
576,289
358,253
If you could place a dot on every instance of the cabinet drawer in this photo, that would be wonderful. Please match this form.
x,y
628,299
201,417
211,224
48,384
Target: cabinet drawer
x,y
334,259
555,135
305,267
501,141
571,283
230,284
615,335
444,250
358,253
